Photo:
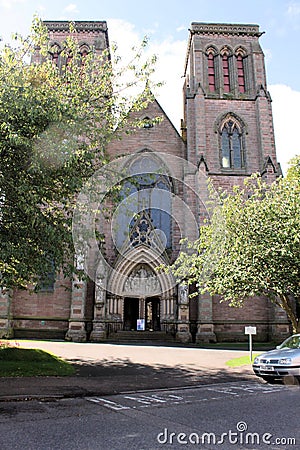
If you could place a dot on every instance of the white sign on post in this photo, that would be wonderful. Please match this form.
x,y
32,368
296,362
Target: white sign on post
x,y
250,331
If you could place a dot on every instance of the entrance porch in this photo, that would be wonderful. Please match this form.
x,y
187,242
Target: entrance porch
x,y
146,310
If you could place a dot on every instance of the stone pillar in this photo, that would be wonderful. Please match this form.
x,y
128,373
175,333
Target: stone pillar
x,y
99,332
183,324
205,326
77,331
6,330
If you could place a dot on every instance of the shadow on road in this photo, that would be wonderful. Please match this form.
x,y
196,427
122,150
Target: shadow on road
x,y
128,375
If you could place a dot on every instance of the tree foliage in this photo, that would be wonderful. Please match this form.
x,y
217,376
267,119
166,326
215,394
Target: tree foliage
x,y
294,168
251,246
54,128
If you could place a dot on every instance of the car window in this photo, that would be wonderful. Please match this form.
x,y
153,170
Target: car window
x,y
291,342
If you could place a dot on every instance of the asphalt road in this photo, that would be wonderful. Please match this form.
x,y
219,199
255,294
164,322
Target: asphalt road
x,y
237,415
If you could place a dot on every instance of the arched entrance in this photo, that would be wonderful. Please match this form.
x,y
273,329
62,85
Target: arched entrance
x,y
142,294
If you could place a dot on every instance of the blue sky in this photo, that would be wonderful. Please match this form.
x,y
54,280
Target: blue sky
x,y
166,22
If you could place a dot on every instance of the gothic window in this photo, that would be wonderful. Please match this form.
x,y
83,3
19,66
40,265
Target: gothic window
x,y
54,52
84,50
226,73
231,140
69,58
144,213
226,68
47,281
211,69
241,72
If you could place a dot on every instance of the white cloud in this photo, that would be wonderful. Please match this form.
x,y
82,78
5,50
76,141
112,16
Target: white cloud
x,y
71,8
293,9
9,4
181,28
124,35
169,67
285,107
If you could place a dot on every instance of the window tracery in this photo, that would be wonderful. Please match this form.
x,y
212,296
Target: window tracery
x,y
231,143
144,213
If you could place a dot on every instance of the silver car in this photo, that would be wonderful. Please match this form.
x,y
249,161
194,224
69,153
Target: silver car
x,y
281,362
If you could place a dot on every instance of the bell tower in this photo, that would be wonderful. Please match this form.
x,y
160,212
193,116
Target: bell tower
x,y
227,107
228,123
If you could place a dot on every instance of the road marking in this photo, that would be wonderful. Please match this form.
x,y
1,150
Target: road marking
x,y
163,398
224,391
108,403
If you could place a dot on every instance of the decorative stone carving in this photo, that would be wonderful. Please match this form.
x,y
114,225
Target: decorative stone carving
x,y
183,291
142,281
81,26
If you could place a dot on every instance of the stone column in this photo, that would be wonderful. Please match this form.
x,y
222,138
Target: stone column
x,y
99,332
183,324
6,330
77,331
205,326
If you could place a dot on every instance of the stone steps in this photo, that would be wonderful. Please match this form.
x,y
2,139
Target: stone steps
x,y
141,336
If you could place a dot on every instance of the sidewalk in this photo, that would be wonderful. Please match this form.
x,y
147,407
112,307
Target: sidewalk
x,y
103,369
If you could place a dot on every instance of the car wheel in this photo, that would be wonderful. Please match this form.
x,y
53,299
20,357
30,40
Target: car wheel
x,y
291,380
270,380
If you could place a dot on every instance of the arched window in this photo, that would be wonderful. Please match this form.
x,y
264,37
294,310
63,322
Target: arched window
x,y
241,64
144,212
211,69
69,58
84,50
54,52
226,73
226,56
231,140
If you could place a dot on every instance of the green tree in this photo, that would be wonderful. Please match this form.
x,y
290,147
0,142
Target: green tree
x,y
250,247
54,128
294,168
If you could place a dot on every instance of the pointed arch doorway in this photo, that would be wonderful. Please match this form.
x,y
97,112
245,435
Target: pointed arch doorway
x,y
141,299
141,292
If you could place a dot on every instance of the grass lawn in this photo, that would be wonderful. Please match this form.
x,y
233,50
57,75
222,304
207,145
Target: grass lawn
x,y
241,361
27,362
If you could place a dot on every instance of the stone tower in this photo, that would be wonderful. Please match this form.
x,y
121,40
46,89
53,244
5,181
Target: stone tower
x,y
91,35
228,128
227,112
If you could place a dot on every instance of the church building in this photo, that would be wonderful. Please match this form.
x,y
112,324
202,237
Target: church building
x,y
226,135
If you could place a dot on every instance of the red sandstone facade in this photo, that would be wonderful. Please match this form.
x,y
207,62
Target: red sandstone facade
x,y
227,134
